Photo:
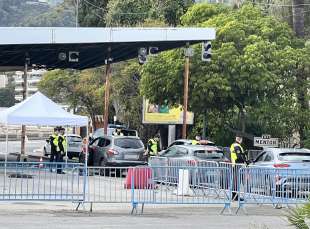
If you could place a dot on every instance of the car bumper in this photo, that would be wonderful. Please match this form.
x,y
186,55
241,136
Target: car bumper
x,y
123,163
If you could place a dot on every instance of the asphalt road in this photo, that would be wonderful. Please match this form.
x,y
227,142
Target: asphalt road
x,y
33,147
51,215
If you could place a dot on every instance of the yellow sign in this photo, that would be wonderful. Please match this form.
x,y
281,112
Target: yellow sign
x,y
162,114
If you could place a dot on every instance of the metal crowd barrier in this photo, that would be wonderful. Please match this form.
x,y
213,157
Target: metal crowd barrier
x,y
259,185
40,181
234,172
192,185
107,185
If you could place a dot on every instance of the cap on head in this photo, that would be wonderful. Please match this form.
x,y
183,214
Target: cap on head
x,y
239,139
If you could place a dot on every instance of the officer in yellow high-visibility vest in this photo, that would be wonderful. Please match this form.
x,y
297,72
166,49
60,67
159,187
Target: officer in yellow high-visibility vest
x,y
237,153
237,156
153,146
196,141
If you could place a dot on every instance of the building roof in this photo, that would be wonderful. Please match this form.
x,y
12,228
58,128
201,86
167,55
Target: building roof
x,y
44,45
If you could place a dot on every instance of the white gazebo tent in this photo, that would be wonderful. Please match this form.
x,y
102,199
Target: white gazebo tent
x,y
38,110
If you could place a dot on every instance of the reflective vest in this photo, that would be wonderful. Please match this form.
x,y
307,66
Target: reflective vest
x,y
233,153
62,140
195,142
154,147
55,142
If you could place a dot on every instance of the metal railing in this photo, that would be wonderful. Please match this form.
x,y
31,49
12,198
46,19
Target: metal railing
x,y
273,186
40,181
192,185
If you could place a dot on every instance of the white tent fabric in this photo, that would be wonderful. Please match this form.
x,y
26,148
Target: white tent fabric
x,y
38,110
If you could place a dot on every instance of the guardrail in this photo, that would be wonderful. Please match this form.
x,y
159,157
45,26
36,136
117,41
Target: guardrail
x,y
40,181
193,185
273,186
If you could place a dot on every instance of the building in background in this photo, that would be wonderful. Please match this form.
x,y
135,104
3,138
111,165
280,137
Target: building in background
x,y
34,77
3,81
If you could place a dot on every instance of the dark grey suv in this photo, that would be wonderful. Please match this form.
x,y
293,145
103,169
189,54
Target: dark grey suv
x,y
116,151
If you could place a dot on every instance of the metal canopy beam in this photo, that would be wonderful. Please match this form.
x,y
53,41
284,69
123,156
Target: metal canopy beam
x,y
44,45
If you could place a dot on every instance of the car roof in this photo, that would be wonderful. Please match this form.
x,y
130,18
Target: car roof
x,y
73,135
198,147
287,150
118,137
188,140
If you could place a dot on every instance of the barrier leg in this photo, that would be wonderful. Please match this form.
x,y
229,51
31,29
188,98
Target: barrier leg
x,y
91,207
226,206
77,207
241,206
142,208
134,208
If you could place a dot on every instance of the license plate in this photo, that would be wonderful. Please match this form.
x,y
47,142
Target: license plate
x,y
128,156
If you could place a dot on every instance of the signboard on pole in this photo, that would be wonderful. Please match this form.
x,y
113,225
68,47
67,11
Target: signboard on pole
x,y
163,114
266,141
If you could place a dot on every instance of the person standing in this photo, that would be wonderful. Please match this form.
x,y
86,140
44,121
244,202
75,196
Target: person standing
x,y
53,137
62,146
118,132
237,156
153,146
197,140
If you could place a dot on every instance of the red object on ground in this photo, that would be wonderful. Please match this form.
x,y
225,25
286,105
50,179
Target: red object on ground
x,y
141,178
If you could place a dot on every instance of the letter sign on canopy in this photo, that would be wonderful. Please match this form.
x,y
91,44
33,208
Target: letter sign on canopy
x,y
266,141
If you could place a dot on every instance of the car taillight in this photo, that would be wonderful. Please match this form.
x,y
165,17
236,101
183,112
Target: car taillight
x,y
281,165
112,152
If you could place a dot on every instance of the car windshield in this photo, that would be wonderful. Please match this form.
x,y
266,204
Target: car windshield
x,y
128,143
295,156
209,154
74,139
175,152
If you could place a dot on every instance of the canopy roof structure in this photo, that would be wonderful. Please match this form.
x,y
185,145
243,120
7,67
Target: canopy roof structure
x,y
38,110
82,48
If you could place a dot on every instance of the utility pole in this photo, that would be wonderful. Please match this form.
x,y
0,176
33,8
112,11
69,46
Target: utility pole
x,y
299,17
188,53
77,13
107,92
301,78
25,95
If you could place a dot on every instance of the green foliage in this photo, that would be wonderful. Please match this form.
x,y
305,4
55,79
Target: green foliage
x,y
15,12
83,91
244,78
92,13
297,216
62,15
137,12
7,97
126,99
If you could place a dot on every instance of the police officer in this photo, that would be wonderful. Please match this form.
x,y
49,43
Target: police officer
x,y
237,155
62,146
118,132
196,141
153,146
53,146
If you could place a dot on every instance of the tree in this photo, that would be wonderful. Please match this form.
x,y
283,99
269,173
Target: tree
x,y
81,90
242,73
92,13
62,15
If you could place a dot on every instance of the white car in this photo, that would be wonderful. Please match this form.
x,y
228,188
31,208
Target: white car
x,y
74,146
